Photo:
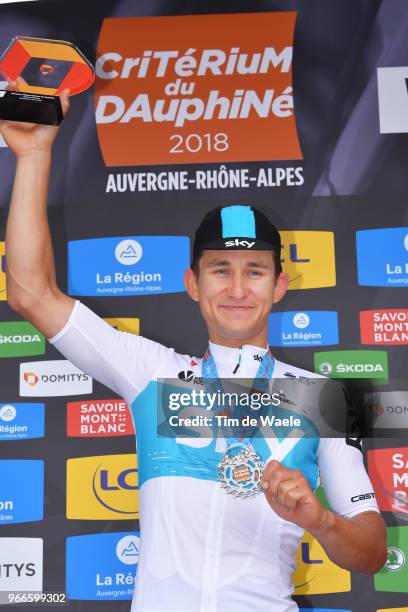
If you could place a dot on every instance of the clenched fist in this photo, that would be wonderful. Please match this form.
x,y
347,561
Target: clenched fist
x,y
290,496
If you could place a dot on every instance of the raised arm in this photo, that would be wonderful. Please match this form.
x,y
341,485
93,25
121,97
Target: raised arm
x,y
32,289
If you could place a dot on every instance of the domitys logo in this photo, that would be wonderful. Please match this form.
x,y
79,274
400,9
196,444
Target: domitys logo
x,y
196,88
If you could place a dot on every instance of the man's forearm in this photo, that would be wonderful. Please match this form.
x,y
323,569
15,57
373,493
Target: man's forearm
x,y
350,543
29,255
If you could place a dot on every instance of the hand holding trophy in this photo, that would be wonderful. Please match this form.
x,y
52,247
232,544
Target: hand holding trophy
x,y
41,74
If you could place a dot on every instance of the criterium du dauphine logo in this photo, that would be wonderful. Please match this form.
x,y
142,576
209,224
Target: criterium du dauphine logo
x,y
196,88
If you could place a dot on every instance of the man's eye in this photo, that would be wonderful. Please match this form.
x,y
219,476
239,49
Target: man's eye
x,y
220,271
254,273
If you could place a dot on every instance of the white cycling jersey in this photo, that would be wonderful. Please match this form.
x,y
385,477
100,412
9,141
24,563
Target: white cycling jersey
x,y
202,550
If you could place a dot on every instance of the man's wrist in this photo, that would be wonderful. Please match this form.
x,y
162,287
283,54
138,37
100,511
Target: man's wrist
x,y
35,156
327,523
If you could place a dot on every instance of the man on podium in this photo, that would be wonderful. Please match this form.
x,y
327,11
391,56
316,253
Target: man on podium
x,y
203,549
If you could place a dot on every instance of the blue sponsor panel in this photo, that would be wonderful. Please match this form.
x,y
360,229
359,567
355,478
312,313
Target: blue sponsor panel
x,y
21,490
303,328
21,421
102,566
323,610
132,265
382,257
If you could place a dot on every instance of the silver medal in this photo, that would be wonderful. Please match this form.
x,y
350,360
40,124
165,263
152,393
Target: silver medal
x,y
240,474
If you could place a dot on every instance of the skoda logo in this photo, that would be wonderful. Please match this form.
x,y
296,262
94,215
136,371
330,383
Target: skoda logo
x,y
326,368
128,252
395,560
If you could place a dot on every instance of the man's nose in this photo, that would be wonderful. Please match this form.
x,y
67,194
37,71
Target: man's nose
x,y
238,288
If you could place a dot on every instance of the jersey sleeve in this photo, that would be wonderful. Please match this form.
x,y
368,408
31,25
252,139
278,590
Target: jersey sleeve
x,y
346,484
122,361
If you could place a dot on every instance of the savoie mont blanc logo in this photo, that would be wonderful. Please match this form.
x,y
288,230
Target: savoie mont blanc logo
x,y
131,265
352,364
386,266
303,328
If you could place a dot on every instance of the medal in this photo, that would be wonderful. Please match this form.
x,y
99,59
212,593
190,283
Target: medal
x,y
239,472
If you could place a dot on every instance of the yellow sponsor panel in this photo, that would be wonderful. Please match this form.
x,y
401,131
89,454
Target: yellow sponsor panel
x,y
3,294
309,259
102,487
315,573
393,610
125,324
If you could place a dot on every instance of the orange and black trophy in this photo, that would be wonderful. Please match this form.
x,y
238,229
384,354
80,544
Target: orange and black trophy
x,y
44,68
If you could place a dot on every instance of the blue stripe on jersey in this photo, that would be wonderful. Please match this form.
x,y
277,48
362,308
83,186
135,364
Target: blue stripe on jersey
x,y
238,222
164,456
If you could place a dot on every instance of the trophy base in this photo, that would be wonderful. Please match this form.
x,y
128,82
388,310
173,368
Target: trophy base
x,y
30,108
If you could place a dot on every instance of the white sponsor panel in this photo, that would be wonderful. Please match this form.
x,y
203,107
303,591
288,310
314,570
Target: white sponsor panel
x,y
39,378
21,564
388,409
393,99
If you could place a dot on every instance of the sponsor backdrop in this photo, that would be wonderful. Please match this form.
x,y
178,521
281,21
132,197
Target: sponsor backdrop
x,y
298,108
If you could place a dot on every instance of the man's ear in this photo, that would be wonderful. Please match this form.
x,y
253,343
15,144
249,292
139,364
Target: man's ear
x,y
281,286
191,284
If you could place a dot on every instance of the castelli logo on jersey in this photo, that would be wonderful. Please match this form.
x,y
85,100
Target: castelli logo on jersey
x,y
196,88
31,378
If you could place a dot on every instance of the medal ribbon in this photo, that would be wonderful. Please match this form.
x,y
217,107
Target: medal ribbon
x,y
263,377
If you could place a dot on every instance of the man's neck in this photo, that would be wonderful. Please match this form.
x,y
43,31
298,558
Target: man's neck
x,y
260,340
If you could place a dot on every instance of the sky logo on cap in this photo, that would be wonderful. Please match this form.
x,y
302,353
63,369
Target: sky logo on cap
x,y
309,259
21,421
303,328
133,265
22,491
382,257
102,566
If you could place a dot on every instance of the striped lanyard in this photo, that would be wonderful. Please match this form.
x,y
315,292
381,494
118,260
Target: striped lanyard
x,y
213,384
